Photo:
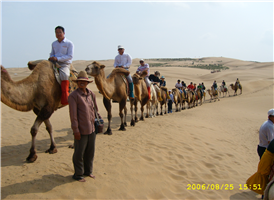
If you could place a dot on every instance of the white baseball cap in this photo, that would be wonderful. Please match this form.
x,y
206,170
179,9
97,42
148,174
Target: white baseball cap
x,y
271,112
120,47
141,60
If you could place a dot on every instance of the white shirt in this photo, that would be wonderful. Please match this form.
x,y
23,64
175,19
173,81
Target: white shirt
x,y
266,133
123,60
178,85
142,68
63,51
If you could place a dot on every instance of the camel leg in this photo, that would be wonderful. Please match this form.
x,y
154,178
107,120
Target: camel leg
x,y
125,116
165,108
52,148
148,110
42,115
132,123
161,109
107,105
157,113
122,105
142,113
136,109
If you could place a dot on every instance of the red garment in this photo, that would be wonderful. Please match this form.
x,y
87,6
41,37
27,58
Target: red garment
x,y
190,87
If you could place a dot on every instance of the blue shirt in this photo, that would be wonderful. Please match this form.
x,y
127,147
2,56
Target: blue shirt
x,y
266,133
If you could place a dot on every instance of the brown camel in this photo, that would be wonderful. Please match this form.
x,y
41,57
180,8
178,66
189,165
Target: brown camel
x,y
114,87
236,87
213,94
163,92
140,94
199,96
39,92
224,90
177,99
191,98
184,99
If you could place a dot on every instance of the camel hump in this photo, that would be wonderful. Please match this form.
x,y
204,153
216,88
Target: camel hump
x,y
119,71
32,64
164,88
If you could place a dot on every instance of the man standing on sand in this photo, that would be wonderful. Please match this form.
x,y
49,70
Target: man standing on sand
x,y
266,133
82,102
62,53
123,60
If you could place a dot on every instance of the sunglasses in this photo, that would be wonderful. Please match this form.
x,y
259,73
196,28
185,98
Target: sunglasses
x,y
120,49
141,61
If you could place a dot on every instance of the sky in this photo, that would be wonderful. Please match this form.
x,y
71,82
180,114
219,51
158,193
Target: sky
x,y
147,29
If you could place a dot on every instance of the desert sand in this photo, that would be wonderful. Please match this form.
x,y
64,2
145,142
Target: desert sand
x,y
160,158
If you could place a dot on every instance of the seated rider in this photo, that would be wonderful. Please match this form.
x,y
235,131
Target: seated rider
x,y
154,78
184,87
200,87
190,87
124,60
203,86
144,67
215,86
163,84
238,83
179,85
162,81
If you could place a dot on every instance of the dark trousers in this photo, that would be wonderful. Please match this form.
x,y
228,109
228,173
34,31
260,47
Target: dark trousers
x,y
261,151
83,156
169,104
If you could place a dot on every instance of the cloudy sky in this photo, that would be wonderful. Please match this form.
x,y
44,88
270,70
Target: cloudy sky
x,y
148,29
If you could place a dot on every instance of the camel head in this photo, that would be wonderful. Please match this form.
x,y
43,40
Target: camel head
x,y
94,69
138,76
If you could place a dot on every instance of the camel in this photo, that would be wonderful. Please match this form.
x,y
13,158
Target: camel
x,y
223,90
269,190
39,92
184,99
151,106
199,96
213,94
235,88
114,87
177,99
140,94
191,98
163,92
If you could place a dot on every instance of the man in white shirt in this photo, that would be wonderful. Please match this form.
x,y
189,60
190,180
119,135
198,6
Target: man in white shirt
x,y
124,60
266,133
62,53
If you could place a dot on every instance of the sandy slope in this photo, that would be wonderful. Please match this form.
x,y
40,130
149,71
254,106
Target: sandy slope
x,y
157,159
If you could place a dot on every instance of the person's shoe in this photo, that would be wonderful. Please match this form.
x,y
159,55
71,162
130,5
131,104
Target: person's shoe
x,y
159,96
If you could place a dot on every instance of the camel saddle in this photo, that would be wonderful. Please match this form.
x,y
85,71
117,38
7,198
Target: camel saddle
x,y
55,66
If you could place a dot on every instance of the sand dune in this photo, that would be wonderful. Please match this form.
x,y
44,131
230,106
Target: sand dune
x,y
212,146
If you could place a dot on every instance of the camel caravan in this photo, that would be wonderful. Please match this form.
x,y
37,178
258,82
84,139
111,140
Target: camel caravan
x,y
41,92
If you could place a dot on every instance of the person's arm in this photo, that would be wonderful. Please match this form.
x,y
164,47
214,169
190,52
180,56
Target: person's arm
x,y
73,117
129,62
69,54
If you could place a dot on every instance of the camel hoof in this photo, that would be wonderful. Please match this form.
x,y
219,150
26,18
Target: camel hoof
x,y
161,113
122,128
157,114
125,124
109,132
142,118
51,151
147,116
71,146
32,158
132,123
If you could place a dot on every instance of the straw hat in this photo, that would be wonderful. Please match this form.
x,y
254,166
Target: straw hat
x,y
82,76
